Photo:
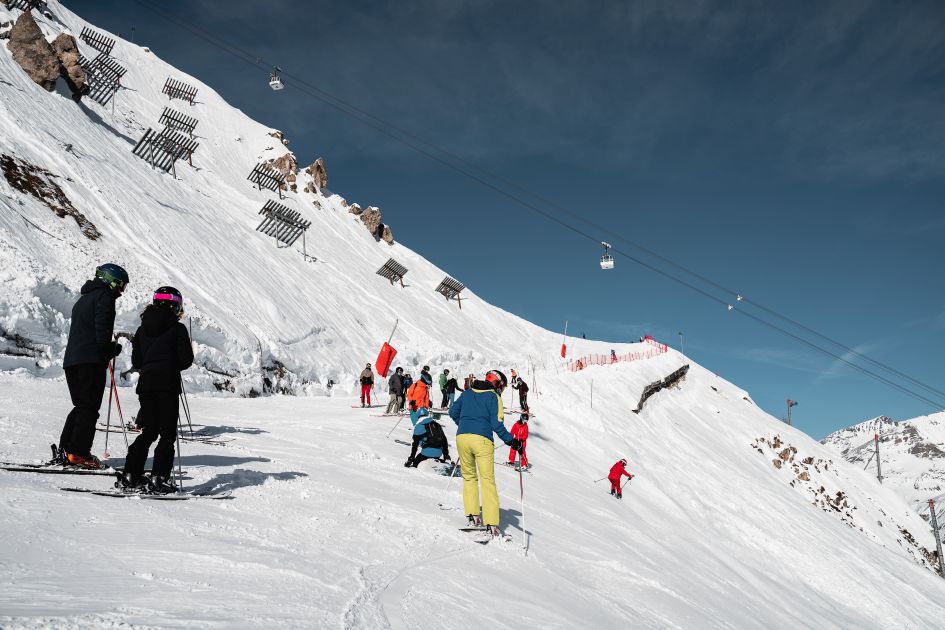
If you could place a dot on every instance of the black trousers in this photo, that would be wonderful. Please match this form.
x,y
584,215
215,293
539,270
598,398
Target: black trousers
x,y
523,399
446,399
157,419
86,383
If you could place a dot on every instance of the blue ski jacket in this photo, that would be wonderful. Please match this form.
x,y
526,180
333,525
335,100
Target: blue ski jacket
x,y
479,411
420,429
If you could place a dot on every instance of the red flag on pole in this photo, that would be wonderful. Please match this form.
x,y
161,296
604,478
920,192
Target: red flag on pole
x,y
384,358
564,350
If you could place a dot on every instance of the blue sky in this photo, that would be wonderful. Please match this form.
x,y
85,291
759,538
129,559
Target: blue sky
x,y
793,153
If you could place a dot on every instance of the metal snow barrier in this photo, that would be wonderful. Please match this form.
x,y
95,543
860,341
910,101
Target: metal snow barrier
x,y
103,76
162,150
264,176
176,89
450,289
173,119
22,5
97,41
393,271
656,386
284,225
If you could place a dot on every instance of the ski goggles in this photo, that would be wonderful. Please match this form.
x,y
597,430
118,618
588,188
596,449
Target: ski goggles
x,y
169,296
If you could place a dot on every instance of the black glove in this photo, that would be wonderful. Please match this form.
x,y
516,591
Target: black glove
x,y
516,445
115,350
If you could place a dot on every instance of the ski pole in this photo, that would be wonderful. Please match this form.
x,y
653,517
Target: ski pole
x,y
180,471
521,485
121,416
108,421
186,405
601,479
395,426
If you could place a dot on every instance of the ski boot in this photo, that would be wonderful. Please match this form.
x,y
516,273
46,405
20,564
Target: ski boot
x,y
58,456
88,462
493,530
161,485
129,482
473,520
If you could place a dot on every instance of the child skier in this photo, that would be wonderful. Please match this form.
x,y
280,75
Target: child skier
x,y
478,413
428,436
160,351
616,476
88,352
520,431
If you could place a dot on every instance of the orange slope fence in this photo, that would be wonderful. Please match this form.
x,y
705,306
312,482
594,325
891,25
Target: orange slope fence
x,y
576,365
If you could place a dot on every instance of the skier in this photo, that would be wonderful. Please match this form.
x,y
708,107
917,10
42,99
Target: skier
x,y
396,389
467,384
520,431
444,377
616,476
160,350
408,381
451,387
478,413
367,382
418,397
428,436
521,387
88,352
613,355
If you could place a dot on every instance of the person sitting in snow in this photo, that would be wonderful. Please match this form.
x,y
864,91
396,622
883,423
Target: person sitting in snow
x,y
616,476
520,431
428,436
418,397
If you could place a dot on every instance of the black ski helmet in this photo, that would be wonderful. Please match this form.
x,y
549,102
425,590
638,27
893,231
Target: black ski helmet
x,y
169,298
113,275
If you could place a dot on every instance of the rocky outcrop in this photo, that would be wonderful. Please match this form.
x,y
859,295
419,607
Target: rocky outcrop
x,y
40,183
68,54
34,54
371,218
387,236
289,168
355,209
318,173
278,135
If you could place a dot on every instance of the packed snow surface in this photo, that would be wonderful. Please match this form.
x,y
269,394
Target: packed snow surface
x,y
733,520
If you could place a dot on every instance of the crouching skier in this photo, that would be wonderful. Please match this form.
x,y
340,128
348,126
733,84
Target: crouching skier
x,y
478,413
160,350
428,436
616,476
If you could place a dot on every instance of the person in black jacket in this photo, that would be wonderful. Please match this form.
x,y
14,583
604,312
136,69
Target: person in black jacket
x,y
396,389
160,350
88,351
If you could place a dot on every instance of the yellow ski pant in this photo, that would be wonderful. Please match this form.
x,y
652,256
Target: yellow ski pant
x,y
476,455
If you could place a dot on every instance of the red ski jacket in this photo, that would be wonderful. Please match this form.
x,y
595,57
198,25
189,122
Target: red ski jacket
x,y
520,431
617,470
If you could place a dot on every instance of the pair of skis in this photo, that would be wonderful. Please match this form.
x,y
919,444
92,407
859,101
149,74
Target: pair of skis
x,y
135,494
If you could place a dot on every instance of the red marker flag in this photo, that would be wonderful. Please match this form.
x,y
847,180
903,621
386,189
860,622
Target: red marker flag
x,y
564,350
384,358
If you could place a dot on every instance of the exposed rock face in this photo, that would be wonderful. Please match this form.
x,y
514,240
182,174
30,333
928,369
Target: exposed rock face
x,y
278,135
355,209
318,173
68,54
288,167
34,54
372,220
387,236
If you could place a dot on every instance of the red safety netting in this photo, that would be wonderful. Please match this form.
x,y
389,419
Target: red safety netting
x,y
577,365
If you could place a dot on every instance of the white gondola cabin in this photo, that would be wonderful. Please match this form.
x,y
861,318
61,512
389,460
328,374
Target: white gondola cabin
x,y
606,261
275,82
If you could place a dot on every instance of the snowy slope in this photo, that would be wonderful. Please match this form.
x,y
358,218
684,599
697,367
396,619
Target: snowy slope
x,y
734,520
251,304
911,453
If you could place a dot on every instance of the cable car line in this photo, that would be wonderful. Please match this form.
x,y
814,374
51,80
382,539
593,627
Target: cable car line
x,y
431,152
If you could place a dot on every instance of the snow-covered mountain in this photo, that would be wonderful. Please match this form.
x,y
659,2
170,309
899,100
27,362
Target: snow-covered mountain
x,y
911,454
733,520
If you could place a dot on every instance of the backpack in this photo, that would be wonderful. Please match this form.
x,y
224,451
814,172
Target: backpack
x,y
435,436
